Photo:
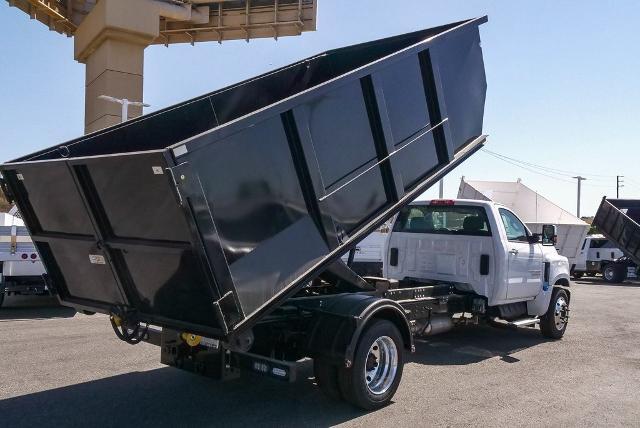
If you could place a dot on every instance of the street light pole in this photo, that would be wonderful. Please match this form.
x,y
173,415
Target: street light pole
x,y
125,103
579,178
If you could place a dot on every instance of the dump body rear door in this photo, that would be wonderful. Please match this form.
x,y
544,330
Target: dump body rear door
x,y
112,233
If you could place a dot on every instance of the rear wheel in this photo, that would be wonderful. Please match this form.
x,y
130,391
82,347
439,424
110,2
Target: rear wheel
x,y
614,273
1,295
375,374
554,323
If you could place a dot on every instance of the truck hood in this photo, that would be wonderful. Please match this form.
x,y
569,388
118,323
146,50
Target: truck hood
x,y
550,254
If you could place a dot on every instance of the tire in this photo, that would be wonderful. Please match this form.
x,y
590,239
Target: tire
x,y
327,378
1,296
613,273
380,348
553,324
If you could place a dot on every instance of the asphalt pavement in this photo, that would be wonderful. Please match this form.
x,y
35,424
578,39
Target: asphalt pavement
x,y
61,369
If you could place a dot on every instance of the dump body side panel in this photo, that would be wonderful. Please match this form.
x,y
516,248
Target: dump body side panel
x,y
619,220
304,179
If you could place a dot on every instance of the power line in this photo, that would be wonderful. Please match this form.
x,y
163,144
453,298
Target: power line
x,y
547,169
497,156
564,176
633,183
607,186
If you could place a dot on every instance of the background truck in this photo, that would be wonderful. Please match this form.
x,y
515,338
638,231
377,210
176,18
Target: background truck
x,y
21,271
618,220
534,209
215,228
595,254
369,253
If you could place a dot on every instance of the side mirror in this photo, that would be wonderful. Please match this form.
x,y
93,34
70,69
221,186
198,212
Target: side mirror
x,y
549,236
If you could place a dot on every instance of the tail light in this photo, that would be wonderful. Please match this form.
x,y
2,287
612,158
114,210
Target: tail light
x,y
442,202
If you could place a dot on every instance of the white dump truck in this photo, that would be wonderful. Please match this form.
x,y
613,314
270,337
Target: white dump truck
x,y
483,249
596,253
215,228
21,270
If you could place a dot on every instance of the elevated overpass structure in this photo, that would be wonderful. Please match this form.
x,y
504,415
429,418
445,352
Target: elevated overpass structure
x,y
110,36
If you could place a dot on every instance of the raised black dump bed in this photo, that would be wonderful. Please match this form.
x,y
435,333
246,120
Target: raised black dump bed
x,y
619,221
204,216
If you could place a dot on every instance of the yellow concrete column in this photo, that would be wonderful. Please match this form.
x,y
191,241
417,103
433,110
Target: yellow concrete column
x,y
115,68
111,41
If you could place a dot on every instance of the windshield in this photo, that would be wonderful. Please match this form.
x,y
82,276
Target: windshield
x,y
450,219
601,243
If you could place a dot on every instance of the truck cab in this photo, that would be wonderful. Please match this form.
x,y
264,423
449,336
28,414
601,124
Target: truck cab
x,y
595,253
480,246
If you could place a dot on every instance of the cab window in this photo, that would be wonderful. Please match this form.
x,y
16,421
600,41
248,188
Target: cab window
x,y
516,231
443,219
601,243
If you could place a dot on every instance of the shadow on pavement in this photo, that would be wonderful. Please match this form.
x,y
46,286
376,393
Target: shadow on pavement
x,y
170,397
33,308
472,344
599,281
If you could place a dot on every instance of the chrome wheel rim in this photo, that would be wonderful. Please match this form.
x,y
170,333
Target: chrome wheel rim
x,y
561,313
608,273
381,365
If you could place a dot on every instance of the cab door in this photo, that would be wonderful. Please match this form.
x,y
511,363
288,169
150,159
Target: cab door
x,y
581,260
525,265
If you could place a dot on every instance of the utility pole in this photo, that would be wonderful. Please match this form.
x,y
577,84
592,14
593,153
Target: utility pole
x,y
125,105
579,178
441,190
619,184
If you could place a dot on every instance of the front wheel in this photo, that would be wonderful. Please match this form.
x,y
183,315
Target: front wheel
x,y
554,323
375,374
614,273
